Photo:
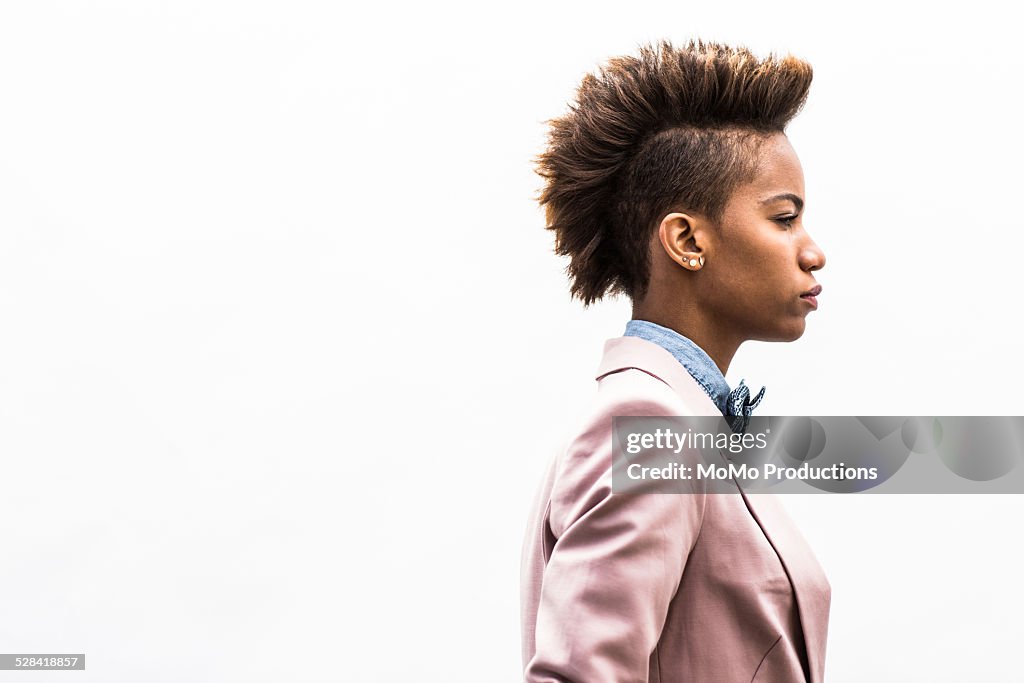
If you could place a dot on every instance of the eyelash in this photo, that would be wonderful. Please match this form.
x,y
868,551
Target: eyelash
x,y
787,220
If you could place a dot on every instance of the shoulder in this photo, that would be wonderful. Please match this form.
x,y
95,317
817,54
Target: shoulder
x,y
583,471
638,392
624,393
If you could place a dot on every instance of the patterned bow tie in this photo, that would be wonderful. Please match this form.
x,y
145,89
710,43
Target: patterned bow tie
x,y
739,406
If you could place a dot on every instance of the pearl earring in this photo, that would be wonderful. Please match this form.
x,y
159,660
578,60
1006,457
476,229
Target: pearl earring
x,y
697,263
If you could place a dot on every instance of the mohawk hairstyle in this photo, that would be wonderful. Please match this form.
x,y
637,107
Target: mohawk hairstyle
x,y
669,129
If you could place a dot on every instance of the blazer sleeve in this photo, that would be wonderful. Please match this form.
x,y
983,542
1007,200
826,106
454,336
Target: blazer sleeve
x,y
614,566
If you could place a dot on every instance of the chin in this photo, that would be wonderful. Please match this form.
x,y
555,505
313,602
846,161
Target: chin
x,y
796,330
787,333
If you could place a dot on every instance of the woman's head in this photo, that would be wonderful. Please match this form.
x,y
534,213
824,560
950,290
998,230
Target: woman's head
x,y
671,156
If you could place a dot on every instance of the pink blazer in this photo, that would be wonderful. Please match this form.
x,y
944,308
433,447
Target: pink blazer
x,y
662,587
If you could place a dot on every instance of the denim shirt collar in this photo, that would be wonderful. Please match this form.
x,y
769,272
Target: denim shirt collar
x,y
696,361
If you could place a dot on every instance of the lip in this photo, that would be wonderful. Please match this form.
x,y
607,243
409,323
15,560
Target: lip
x,y
810,296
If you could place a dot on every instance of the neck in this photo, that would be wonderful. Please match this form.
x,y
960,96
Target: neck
x,y
695,326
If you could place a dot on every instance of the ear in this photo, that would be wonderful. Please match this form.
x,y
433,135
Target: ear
x,y
685,239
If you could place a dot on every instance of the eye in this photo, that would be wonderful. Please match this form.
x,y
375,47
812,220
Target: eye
x,y
786,220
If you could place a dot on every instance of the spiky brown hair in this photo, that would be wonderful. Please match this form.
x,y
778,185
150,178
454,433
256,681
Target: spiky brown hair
x,y
671,129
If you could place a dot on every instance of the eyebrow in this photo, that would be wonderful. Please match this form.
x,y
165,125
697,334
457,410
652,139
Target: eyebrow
x,y
787,195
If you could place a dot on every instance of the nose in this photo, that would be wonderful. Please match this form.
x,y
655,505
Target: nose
x,y
811,256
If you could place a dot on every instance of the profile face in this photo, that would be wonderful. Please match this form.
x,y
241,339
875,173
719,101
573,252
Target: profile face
x,y
760,260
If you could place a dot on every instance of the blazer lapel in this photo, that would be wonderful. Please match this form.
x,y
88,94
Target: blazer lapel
x,y
813,593
810,586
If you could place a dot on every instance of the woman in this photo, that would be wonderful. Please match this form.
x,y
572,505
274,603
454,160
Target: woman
x,y
671,180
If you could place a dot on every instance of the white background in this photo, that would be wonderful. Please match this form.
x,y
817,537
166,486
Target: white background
x,y
284,348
